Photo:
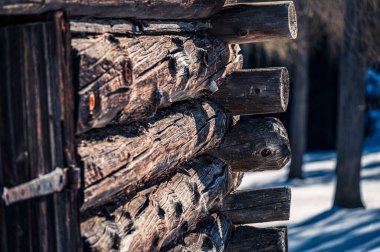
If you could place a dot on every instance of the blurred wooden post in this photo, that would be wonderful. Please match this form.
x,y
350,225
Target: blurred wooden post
x,y
37,134
299,94
351,110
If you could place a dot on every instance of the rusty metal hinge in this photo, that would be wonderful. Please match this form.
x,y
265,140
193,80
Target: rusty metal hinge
x,y
54,181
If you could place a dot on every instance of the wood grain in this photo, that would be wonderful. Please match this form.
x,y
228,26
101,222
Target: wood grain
x,y
255,144
159,216
83,26
257,205
37,133
255,22
210,234
122,158
247,238
142,9
128,79
254,91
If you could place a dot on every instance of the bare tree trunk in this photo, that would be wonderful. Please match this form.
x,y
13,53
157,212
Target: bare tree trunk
x,y
351,111
298,119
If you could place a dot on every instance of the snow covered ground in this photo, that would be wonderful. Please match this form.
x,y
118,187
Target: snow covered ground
x,y
314,225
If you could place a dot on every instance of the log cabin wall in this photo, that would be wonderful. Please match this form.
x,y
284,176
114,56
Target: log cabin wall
x,y
163,149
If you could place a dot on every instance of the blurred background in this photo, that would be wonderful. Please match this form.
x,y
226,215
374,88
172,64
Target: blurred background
x,y
333,121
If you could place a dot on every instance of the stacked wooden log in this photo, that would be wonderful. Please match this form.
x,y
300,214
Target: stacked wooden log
x,y
163,145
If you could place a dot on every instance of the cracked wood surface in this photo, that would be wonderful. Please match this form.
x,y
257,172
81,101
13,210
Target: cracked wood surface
x,y
255,144
257,205
127,79
139,9
128,27
159,216
210,234
121,158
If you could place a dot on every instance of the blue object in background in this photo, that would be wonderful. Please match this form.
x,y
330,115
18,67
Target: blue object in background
x,y
372,89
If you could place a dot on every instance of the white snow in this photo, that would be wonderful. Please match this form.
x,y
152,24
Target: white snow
x,y
314,224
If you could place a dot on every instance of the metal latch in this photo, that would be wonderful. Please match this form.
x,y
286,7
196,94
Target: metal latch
x,y
54,181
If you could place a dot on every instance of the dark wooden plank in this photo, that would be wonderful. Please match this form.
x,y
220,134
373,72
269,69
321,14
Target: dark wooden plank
x,y
128,79
255,144
142,9
247,23
254,91
247,238
257,205
36,97
159,215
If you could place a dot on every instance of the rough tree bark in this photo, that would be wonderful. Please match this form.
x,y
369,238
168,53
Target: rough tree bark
x,y
128,79
351,110
158,216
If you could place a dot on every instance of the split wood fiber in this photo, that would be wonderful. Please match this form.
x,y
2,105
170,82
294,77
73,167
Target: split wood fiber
x,y
127,79
122,158
159,215
210,234
118,159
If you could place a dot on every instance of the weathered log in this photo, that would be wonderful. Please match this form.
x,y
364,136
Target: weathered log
x,y
211,234
160,215
135,28
258,205
255,144
142,9
256,91
246,238
122,158
247,23
128,79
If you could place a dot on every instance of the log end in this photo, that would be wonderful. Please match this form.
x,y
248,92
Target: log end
x,y
254,91
246,238
257,205
292,17
255,22
284,88
255,144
